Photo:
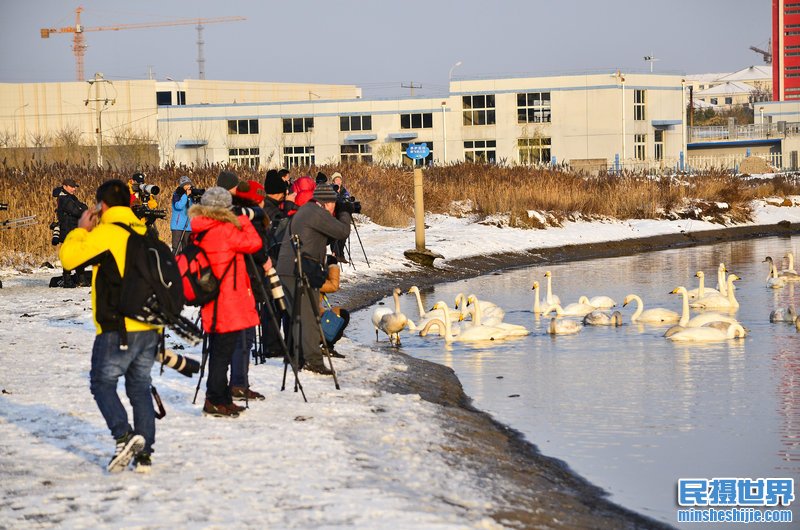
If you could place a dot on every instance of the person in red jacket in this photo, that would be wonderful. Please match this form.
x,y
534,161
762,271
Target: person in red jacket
x,y
225,239
303,188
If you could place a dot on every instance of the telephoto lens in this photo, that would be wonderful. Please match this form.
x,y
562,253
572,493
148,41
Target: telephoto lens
x,y
3,206
183,365
276,289
152,189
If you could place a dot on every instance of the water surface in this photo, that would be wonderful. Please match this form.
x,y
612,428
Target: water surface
x,y
624,407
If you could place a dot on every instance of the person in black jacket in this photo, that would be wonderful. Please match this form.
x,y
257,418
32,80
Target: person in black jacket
x,y
69,211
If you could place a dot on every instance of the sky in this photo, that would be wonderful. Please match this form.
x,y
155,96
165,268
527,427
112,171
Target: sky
x,y
380,45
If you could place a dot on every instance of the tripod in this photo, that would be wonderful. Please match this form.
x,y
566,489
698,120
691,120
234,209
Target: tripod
x,y
353,221
302,288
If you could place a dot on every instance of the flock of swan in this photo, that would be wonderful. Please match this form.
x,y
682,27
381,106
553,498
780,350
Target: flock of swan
x,y
472,319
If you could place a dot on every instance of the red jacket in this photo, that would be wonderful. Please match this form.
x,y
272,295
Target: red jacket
x,y
228,239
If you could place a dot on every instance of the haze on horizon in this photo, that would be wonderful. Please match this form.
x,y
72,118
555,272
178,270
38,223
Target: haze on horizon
x,y
378,45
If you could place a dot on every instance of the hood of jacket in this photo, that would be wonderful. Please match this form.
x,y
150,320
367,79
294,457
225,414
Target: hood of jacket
x,y
205,217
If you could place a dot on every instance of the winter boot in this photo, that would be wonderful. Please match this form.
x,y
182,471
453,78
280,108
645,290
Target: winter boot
x,y
127,447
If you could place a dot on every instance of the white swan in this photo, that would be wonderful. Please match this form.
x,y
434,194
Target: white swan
x,y
708,334
425,316
701,290
471,333
602,302
551,298
789,273
698,321
783,314
721,282
538,309
393,323
773,280
790,268
719,301
601,318
459,313
563,327
657,315
489,310
377,315
512,330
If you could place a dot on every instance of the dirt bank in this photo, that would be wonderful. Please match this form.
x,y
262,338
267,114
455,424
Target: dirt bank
x,y
529,490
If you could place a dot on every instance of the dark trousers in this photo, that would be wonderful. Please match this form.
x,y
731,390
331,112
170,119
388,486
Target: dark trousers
x,y
270,335
309,336
220,351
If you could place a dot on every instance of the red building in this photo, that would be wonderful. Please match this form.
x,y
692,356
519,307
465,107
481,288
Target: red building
x,y
785,50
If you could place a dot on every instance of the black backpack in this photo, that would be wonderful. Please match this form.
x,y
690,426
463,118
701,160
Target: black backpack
x,y
275,236
151,289
199,284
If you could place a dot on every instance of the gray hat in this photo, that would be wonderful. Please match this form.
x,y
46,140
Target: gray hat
x,y
325,193
184,180
227,180
217,197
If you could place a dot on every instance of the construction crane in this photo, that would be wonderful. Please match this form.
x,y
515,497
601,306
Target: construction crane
x,y
767,54
79,41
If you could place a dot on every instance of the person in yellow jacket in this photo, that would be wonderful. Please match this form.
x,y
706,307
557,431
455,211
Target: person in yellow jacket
x,y
99,242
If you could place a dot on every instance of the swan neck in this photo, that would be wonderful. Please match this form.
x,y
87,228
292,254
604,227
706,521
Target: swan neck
x,y
419,304
639,307
536,307
685,312
396,302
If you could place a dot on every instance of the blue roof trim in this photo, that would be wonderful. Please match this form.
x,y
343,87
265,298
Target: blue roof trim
x,y
191,143
403,136
664,123
316,115
733,143
361,137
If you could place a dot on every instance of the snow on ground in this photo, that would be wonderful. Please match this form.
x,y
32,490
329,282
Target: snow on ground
x,y
356,457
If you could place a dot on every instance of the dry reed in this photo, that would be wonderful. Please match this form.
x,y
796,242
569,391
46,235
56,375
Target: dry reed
x,y
387,195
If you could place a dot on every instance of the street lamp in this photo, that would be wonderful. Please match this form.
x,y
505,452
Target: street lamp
x,y
761,116
15,119
450,74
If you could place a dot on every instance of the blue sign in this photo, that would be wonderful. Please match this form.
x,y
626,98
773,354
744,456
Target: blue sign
x,y
417,151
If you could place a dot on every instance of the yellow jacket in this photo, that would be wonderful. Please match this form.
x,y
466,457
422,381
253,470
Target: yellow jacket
x,y
97,247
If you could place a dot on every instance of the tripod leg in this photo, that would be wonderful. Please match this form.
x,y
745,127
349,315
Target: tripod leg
x,y
288,359
202,367
360,243
309,292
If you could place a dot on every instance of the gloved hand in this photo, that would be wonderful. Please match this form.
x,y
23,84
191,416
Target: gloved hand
x,y
344,206
332,260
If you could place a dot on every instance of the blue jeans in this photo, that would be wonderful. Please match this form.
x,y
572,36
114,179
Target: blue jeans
x,y
109,363
240,362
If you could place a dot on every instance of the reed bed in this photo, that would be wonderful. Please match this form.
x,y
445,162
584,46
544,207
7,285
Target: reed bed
x,y
387,196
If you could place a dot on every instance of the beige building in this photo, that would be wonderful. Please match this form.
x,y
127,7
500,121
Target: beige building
x,y
724,90
587,121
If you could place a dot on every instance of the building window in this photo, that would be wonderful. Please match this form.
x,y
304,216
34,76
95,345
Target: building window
x,y
658,143
298,125
300,156
242,126
729,101
244,157
533,107
640,146
478,110
355,123
422,120
534,150
357,153
408,162
480,151
638,105
713,101
163,98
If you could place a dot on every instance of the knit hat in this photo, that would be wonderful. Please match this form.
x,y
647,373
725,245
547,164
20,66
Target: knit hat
x,y
274,184
217,197
255,192
184,180
227,180
322,178
283,172
325,193
71,182
335,176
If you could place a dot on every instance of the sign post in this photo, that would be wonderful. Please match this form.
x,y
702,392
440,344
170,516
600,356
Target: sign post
x,y
420,254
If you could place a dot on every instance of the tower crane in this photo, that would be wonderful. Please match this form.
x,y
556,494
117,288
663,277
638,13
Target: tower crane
x,y
79,41
767,54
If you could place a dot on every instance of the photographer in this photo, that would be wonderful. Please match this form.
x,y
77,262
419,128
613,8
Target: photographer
x,y
69,211
315,223
179,222
104,244
143,202
338,247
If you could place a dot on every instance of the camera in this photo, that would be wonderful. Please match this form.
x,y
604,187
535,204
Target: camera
x,y
196,193
3,206
354,203
183,365
142,211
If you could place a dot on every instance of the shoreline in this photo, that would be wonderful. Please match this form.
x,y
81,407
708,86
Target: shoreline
x,y
529,489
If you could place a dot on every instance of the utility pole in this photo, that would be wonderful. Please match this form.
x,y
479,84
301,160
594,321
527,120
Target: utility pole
x,y
411,86
106,101
201,59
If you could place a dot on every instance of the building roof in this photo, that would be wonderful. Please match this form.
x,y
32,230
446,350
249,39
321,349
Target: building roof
x,y
751,73
726,89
